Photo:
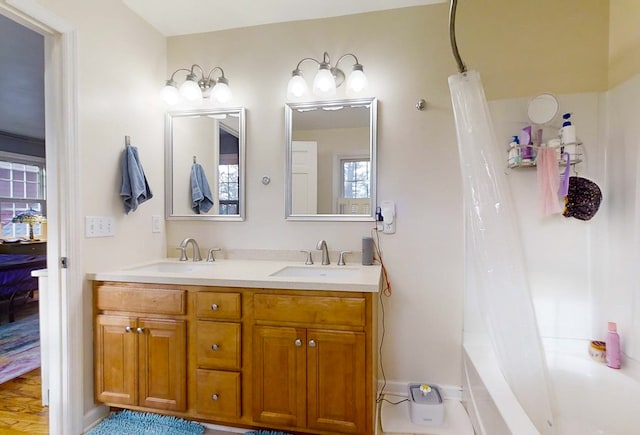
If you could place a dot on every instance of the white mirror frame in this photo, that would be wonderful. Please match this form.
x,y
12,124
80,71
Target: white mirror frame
x,y
327,105
169,152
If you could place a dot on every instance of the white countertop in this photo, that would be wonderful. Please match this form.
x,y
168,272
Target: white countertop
x,y
250,274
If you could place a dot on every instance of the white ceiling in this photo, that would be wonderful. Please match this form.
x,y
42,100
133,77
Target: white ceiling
x,y
173,18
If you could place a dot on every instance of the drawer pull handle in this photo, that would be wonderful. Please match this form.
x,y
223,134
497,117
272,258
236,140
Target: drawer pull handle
x,y
214,307
127,329
139,330
214,397
298,342
312,343
215,347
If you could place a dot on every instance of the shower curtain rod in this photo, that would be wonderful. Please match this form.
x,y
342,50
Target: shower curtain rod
x,y
452,36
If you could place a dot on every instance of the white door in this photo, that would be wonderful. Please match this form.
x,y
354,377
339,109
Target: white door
x,y
304,177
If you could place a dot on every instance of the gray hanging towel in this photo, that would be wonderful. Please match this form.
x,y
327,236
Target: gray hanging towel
x,y
201,198
134,189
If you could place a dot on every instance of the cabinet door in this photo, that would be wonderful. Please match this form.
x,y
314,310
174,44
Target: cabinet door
x,y
115,360
336,381
162,345
279,381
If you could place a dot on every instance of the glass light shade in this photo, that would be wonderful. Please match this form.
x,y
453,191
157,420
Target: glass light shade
x,y
170,95
190,90
297,87
357,82
324,83
221,92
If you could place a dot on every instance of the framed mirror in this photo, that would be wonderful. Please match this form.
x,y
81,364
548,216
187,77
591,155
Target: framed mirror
x,y
205,164
331,160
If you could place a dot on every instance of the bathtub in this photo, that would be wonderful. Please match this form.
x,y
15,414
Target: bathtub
x,y
589,397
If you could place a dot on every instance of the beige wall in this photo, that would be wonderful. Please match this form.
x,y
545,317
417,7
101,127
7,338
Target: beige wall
x,y
522,48
406,56
624,41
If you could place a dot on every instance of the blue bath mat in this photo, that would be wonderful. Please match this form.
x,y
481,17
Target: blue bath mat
x,y
266,432
139,423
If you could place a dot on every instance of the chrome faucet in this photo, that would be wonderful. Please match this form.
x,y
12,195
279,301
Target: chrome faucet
x,y
322,246
183,249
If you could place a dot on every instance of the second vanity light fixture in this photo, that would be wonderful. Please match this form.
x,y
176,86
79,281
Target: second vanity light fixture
x,y
194,88
328,78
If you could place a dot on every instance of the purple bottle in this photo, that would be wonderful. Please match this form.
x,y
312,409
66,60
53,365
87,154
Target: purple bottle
x,y
613,346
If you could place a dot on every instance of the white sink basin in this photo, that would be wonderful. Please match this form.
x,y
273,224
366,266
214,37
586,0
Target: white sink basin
x,y
166,267
316,272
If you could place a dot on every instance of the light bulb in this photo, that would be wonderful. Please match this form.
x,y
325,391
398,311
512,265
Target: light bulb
x,y
190,90
170,94
221,92
297,86
324,83
357,81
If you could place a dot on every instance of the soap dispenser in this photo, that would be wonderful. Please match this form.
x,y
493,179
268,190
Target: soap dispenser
x,y
514,153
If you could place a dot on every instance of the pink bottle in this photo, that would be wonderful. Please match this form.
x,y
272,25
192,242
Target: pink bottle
x,y
613,346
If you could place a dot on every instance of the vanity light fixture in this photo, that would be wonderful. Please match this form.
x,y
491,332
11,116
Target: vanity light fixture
x,y
328,78
196,88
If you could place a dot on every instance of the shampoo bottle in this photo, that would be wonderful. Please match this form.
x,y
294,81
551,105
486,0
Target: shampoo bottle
x,y
613,346
568,132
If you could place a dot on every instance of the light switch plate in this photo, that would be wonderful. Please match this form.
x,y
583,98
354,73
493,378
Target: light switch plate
x,y
156,223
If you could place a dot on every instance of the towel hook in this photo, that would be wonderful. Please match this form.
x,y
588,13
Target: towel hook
x,y
127,140
194,160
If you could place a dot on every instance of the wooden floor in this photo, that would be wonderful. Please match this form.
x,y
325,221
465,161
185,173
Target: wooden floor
x,y
21,408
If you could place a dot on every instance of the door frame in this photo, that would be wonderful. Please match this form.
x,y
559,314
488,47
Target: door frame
x,y
65,310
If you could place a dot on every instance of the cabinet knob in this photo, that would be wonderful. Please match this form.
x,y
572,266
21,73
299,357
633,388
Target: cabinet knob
x,y
139,330
298,342
128,329
214,397
312,343
215,347
214,307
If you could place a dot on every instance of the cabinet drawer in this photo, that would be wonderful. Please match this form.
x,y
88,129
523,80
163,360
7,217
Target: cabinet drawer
x,y
218,393
141,300
326,310
211,305
218,344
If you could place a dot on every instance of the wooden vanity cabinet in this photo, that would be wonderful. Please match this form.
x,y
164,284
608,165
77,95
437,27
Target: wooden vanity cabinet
x,y
313,362
298,361
140,347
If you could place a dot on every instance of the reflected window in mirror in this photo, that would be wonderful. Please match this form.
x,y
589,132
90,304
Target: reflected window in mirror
x,y
331,160
214,140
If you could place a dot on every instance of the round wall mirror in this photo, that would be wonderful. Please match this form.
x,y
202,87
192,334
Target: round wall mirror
x,y
543,108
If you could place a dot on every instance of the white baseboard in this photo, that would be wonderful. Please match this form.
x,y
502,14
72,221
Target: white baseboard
x,y
94,416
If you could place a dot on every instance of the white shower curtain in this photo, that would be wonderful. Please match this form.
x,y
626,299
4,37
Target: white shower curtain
x,y
495,269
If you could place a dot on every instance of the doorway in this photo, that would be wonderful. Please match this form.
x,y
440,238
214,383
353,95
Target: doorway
x,y
22,195
64,326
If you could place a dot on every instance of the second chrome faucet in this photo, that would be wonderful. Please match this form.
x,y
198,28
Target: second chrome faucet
x,y
322,246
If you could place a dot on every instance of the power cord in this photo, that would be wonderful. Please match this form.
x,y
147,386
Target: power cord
x,y
386,291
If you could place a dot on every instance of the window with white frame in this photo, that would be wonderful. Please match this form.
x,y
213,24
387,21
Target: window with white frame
x,y
22,187
356,176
